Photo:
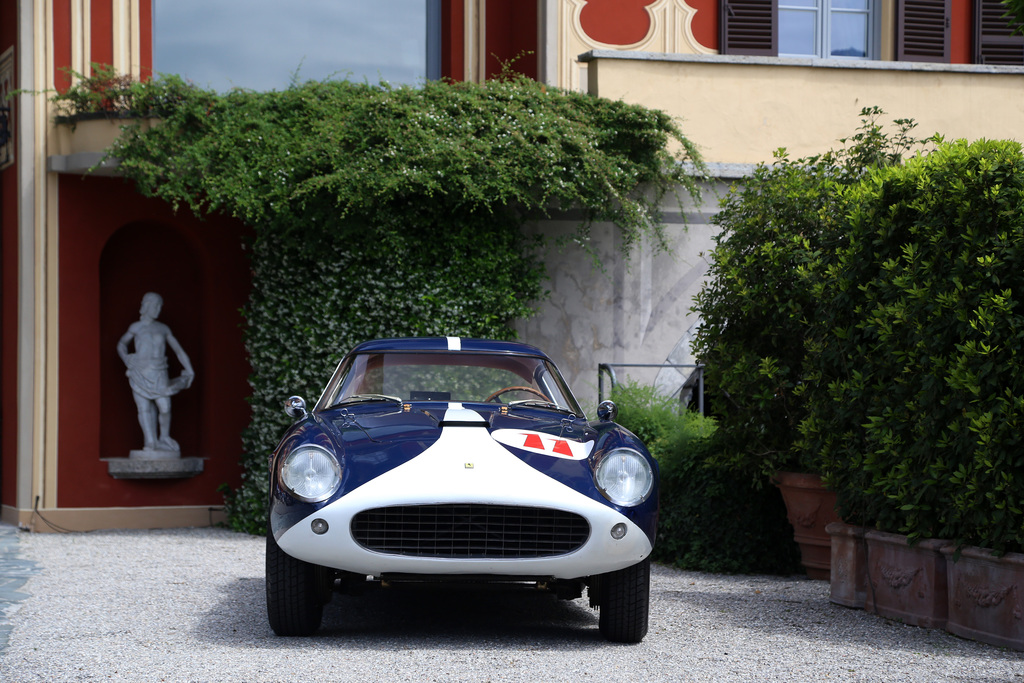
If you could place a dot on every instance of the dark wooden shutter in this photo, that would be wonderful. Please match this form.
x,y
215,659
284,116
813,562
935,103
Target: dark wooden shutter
x,y
994,39
922,30
748,27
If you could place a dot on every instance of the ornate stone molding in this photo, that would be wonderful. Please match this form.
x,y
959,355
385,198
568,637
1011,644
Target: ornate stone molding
x,y
670,31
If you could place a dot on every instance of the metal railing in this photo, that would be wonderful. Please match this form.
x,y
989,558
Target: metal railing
x,y
609,369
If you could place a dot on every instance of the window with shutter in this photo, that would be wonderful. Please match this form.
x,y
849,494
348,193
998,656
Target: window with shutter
x,y
994,39
922,30
748,27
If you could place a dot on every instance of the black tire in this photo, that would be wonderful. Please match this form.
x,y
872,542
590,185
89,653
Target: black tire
x,y
625,598
295,592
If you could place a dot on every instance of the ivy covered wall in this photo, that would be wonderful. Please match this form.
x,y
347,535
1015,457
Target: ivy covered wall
x,y
379,211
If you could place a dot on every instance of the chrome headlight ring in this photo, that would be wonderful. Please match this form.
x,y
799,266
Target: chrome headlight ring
x,y
310,473
624,477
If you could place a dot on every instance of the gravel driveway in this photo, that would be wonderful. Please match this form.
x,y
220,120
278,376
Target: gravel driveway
x,y
187,605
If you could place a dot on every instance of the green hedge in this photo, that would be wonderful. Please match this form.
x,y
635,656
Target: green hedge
x,y
779,230
711,519
918,367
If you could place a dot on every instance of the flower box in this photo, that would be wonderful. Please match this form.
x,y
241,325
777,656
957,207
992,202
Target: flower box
x,y
906,582
92,133
985,601
849,572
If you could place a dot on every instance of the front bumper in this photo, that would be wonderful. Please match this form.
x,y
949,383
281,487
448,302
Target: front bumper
x,y
465,465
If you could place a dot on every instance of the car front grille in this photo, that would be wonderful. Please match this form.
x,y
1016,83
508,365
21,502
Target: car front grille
x,y
470,530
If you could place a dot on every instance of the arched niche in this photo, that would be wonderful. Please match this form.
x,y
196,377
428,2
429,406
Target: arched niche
x,y
145,257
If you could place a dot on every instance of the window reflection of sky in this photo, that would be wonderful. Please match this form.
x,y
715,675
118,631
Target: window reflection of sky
x,y
847,26
262,44
796,31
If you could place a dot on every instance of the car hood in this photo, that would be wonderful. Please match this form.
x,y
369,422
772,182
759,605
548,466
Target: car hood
x,y
376,438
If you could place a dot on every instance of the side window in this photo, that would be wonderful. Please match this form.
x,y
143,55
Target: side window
x,y
826,28
812,28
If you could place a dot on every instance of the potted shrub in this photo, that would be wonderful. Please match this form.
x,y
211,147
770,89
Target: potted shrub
x,y
918,406
779,233
985,598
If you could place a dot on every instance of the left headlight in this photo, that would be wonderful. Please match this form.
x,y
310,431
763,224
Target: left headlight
x,y
624,477
310,473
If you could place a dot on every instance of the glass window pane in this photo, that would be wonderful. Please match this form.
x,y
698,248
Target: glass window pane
x,y
850,4
849,34
264,44
796,32
797,3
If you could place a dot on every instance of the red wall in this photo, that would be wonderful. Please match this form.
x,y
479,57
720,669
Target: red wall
x,y
616,22
961,32
453,63
705,22
61,43
511,34
101,38
110,257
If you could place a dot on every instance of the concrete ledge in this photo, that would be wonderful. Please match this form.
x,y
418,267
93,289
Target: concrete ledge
x,y
48,520
815,62
153,468
83,163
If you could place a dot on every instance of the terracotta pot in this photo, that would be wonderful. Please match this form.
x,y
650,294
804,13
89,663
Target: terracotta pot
x,y
985,601
849,571
906,582
810,507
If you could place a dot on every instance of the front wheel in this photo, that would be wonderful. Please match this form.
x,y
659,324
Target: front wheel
x,y
296,592
624,599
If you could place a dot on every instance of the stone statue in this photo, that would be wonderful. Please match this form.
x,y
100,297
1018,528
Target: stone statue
x,y
147,375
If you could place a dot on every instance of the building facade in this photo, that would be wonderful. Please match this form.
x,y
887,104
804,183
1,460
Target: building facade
x,y
79,248
78,251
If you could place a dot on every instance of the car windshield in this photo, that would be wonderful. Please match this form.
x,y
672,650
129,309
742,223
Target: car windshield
x,y
451,377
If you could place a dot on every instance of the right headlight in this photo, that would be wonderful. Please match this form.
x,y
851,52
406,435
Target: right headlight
x,y
310,473
624,477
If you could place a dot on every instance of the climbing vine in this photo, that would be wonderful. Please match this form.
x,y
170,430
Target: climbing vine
x,y
391,211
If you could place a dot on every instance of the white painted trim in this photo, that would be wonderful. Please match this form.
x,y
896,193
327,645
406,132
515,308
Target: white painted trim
x,y
30,14
135,39
547,42
44,63
468,39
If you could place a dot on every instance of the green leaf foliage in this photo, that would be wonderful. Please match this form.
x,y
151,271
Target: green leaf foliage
x,y
779,231
710,518
379,211
917,414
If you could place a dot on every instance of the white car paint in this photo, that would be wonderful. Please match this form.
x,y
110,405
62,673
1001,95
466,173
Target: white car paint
x,y
466,465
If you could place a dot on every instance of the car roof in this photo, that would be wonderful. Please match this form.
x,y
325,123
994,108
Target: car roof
x,y
447,344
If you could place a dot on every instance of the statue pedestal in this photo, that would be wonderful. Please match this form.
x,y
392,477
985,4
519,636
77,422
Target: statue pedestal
x,y
153,464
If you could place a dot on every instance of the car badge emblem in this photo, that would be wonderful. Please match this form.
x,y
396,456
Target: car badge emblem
x,y
469,465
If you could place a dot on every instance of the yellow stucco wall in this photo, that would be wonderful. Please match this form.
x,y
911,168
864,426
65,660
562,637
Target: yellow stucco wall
x,y
739,109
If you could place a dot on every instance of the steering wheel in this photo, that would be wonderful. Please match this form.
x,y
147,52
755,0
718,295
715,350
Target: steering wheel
x,y
499,392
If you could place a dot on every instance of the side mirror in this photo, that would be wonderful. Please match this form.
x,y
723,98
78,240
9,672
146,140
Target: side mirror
x,y
607,411
295,407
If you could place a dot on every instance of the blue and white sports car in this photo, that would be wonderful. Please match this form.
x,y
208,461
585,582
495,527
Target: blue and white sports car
x,y
458,460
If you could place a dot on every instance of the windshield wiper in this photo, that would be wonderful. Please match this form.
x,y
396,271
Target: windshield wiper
x,y
367,398
540,403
